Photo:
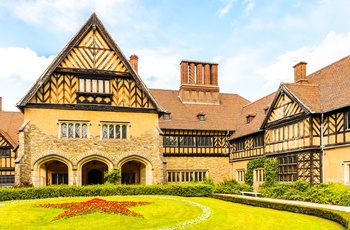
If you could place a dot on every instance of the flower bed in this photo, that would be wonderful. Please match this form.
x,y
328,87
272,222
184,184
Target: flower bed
x,y
95,205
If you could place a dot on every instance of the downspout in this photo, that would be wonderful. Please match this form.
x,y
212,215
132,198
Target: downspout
x,y
322,148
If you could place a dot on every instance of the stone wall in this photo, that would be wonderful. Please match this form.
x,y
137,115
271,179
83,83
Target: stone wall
x,y
218,167
38,145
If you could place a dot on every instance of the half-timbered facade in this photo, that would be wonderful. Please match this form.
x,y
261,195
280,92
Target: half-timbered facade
x,y
304,126
197,122
9,124
89,113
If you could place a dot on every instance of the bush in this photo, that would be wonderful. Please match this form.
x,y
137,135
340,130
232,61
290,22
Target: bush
x,y
232,187
190,190
113,177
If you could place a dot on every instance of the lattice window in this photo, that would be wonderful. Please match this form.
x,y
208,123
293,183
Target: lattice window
x,y
170,141
240,175
187,141
5,152
90,85
288,168
7,179
187,175
73,129
114,131
205,141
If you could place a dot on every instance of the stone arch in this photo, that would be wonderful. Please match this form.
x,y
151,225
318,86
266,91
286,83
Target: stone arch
x,y
135,169
52,169
92,166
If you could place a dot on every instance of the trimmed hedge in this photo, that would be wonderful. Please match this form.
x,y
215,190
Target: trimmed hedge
x,y
190,190
342,218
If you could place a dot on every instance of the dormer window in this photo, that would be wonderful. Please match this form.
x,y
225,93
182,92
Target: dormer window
x,y
201,116
166,116
250,118
266,109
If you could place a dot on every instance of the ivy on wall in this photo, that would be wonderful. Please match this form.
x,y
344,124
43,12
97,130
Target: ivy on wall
x,y
270,170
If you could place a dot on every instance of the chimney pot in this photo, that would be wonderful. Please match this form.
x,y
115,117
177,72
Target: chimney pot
x,y
300,73
134,61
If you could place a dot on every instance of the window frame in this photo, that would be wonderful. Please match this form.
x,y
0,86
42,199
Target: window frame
x,y
115,130
72,133
7,151
92,85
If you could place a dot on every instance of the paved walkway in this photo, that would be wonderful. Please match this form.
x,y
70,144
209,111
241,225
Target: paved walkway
x,y
303,203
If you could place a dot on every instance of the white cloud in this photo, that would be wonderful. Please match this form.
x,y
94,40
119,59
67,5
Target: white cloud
x,y
333,47
250,4
66,15
159,68
223,11
23,63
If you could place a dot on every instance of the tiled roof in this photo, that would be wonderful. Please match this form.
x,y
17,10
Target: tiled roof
x,y
257,109
184,115
307,94
10,122
334,84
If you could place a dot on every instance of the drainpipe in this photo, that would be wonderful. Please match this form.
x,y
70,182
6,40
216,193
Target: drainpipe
x,y
322,148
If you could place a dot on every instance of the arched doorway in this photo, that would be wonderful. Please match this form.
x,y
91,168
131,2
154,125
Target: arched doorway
x,y
56,172
93,172
133,172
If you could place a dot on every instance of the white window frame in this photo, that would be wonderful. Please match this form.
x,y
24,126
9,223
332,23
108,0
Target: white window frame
x,y
75,124
115,135
186,176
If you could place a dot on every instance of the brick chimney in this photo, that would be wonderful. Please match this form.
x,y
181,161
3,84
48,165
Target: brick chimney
x,y
0,104
199,82
134,61
300,73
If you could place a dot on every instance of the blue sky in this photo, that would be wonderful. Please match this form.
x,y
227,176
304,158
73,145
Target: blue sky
x,y
255,42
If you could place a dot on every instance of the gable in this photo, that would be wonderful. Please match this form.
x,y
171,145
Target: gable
x,y
4,141
284,107
91,70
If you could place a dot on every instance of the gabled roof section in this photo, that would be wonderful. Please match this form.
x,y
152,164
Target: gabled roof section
x,y
10,122
91,48
257,108
285,105
218,117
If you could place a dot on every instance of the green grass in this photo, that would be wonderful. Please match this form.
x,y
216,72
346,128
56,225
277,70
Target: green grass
x,y
165,211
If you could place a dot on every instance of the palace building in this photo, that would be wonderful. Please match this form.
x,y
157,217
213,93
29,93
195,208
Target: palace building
x,y
90,112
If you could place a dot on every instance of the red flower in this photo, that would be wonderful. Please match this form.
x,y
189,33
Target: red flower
x,y
95,205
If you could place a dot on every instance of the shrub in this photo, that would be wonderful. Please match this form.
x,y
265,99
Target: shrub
x,y
231,187
270,170
188,190
113,177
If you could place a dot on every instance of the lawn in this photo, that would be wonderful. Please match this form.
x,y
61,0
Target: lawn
x,y
161,213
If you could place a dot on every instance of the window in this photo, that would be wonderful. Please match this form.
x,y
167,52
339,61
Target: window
x,y
5,152
258,141
259,175
74,129
187,175
240,175
170,141
59,178
205,141
114,131
287,168
187,141
201,116
248,119
7,179
166,116
347,120
90,85
240,145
